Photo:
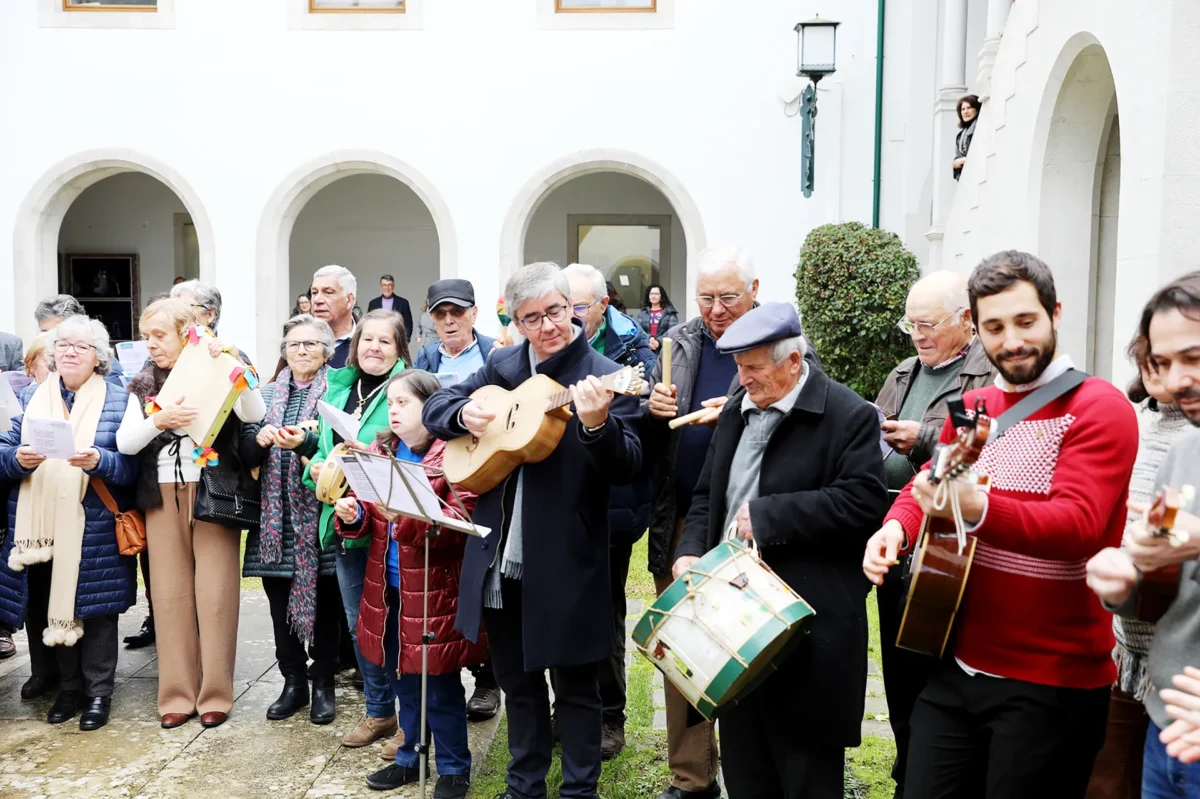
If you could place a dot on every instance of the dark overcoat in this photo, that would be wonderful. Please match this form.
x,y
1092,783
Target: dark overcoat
x,y
822,494
567,610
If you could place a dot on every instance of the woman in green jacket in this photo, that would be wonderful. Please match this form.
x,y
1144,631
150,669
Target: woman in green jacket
x,y
378,350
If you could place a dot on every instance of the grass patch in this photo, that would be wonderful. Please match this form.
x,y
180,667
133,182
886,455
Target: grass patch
x,y
873,650
870,768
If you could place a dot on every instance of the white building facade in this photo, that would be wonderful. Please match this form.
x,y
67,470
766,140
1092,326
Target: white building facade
x,y
249,143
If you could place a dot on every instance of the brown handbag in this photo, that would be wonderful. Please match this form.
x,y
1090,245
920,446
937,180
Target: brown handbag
x,y
131,526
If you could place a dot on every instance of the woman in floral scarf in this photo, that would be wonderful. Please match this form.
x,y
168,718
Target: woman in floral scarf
x,y
300,579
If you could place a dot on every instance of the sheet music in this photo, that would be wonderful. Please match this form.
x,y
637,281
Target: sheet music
x,y
50,437
412,494
357,478
342,423
132,356
10,406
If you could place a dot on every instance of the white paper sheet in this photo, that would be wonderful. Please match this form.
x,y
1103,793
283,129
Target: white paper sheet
x,y
398,497
10,407
50,437
132,356
343,423
357,478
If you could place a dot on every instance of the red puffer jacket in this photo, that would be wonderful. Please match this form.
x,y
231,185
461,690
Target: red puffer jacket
x,y
449,651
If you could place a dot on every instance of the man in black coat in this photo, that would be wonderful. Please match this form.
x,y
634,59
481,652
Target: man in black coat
x,y
388,300
795,465
540,580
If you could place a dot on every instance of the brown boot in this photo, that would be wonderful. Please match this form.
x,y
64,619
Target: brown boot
x,y
369,730
392,746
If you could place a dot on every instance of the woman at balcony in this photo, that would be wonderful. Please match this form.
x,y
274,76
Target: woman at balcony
x,y
968,114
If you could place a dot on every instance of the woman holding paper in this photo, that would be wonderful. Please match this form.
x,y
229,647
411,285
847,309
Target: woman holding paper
x,y
194,564
378,350
298,575
390,621
60,562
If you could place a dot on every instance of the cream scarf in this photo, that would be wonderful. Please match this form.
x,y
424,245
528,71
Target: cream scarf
x,y
50,515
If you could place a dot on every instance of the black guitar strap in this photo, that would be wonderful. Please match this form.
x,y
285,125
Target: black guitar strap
x,y
1060,386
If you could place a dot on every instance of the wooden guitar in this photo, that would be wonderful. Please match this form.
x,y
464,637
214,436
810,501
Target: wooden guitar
x,y
530,421
942,563
1158,588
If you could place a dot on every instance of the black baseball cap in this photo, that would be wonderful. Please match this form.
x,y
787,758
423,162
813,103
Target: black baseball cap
x,y
459,292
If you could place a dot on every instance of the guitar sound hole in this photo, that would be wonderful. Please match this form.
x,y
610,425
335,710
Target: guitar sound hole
x,y
511,421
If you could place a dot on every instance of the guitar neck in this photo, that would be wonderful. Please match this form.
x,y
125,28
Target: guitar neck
x,y
561,399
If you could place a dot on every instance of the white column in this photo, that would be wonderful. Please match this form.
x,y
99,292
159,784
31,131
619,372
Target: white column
x,y
952,84
997,16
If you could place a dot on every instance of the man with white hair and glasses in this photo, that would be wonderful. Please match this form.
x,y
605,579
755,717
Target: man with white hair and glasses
x,y
702,377
950,360
334,293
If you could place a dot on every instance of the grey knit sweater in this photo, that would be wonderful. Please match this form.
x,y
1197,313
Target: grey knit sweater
x,y
1159,431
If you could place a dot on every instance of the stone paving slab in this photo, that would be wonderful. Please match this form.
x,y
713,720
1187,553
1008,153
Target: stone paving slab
x,y
134,758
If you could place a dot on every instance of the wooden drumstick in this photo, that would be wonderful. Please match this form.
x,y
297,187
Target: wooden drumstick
x,y
666,361
680,421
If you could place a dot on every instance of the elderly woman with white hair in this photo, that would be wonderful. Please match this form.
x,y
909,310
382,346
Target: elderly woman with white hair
x,y
298,575
61,570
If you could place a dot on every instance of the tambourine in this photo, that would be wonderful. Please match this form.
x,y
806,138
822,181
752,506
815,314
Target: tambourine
x,y
332,485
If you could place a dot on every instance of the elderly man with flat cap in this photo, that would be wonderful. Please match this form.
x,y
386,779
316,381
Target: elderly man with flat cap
x,y
795,464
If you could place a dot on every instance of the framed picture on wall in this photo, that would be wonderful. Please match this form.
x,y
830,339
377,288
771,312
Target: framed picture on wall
x,y
108,286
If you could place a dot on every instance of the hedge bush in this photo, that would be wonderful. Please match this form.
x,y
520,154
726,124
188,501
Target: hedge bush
x,y
851,284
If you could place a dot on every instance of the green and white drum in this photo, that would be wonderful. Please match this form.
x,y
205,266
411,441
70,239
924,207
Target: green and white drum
x,y
721,626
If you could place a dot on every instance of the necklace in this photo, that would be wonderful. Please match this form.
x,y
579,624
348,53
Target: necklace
x,y
362,401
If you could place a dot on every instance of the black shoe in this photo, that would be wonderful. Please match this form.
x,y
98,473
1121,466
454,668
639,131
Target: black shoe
x,y
95,713
711,792
324,707
452,786
392,777
294,697
144,637
65,707
8,647
612,739
37,685
483,704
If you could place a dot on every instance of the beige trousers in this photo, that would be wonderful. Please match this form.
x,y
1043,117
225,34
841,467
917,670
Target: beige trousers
x,y
197,588
691,751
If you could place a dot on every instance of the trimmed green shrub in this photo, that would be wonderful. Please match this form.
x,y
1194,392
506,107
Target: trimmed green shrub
x,y
851,284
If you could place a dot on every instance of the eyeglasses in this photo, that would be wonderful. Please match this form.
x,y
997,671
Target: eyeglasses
x,y
581,310
64,346
555,313
307,346
707,301
908,326
457,311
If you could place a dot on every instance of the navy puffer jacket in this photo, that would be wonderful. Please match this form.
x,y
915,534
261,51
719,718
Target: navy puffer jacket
x,y
107,580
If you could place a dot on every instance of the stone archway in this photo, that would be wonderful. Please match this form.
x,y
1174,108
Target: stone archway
x,y
275,229
1074,193
589,162
40,217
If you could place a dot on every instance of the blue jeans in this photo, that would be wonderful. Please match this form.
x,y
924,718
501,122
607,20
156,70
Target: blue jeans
x,y
447,709
351,571
1164,777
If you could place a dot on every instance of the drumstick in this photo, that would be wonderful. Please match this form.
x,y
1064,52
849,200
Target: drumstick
x,y
680,421
666,361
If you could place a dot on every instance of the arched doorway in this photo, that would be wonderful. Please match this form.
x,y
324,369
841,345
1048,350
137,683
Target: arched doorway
x,y
91,217
366,211
1078,184
623,213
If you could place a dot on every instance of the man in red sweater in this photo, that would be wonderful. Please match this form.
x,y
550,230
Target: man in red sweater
x,y
1018,707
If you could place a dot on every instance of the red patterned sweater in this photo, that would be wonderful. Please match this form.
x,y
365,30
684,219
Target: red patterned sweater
x,y
1059,485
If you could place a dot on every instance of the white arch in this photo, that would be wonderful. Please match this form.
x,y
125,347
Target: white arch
x,y
1075,119
40,217
294,192
588,162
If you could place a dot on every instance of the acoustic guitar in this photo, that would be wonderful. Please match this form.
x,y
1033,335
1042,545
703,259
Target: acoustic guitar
x,y
943,560
530,421
1158,588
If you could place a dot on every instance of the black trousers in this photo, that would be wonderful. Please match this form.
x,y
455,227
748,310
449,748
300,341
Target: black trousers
x,y
611,673
527,703
289,651
1002,739
763,757
42,661
904,673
